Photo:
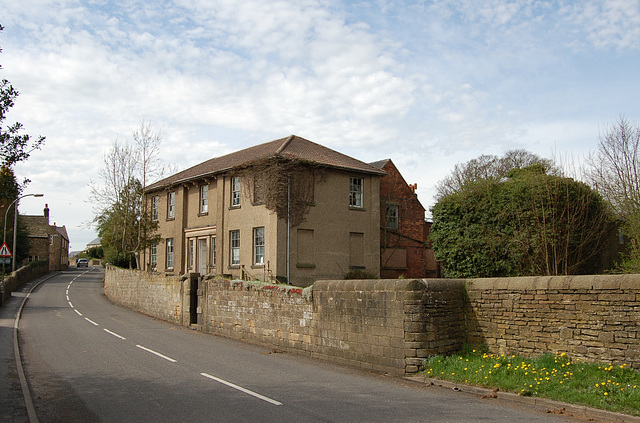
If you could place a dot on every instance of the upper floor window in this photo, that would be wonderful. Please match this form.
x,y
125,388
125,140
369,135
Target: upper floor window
x,y
171,205
392,216
234,239
155,200
258,188
355,192
235,191
204,198
258,246
169,253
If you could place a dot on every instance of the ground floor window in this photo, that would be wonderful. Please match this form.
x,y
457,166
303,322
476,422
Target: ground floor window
x,y
234,238
169,253
258,246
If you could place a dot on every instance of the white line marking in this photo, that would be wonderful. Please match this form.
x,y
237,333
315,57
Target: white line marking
x,y
157,353
114,334
68,297
79,314
241,389
91,321
70,305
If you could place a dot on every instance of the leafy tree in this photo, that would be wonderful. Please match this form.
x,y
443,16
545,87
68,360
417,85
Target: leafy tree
x,y
614,171
120,225
95,252
14,146
527,223
9,191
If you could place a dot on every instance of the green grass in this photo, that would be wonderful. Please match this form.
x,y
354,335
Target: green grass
x,y
557,377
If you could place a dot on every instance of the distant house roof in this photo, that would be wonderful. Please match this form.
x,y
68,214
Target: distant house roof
x,y
292,147
380,164
62,230
95,243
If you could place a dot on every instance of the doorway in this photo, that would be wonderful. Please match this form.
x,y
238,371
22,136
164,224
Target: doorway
x,y
203,254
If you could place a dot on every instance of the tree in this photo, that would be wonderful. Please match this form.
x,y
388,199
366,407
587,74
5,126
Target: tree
x,y
527,223
489,167
614,171
9,191
14,146
123,221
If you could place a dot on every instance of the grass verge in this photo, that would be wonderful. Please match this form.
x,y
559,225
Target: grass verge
x,y
557,377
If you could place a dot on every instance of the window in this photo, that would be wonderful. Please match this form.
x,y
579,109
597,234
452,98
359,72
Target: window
x,y
355,192
154,255
258,246
204,199
213,251
155,200
169,253
234,238
190,252
171,205
235,191
392,216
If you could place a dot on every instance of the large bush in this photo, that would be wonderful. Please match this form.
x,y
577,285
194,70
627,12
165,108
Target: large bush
x,y
528,223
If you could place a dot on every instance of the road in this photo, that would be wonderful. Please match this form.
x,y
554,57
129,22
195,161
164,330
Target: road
x,y
88,360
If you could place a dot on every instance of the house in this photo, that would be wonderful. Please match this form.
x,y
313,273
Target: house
x,y
404,232
286,210
48,242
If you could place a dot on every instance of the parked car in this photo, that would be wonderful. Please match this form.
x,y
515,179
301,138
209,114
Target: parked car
x,y
82,263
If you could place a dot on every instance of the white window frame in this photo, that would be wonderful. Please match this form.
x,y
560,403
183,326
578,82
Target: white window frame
x,y
393,216
355,192
170,257
153,252
235,191
258,246
234,247
190,253
171,205
204,199
155,204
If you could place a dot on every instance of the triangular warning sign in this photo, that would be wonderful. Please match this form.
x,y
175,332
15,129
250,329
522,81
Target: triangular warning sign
x,y
4,251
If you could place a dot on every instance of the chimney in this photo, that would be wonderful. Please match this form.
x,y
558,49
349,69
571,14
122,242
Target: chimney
x,y
46,212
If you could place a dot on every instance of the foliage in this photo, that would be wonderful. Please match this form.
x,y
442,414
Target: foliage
x,y
556,376
490,168
614,171
120,225
9,191
529,223
95,252
285,186
14,146
121,214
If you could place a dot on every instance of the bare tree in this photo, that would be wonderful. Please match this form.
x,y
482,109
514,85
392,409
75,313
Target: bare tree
x,y
614,171
119,206
489,167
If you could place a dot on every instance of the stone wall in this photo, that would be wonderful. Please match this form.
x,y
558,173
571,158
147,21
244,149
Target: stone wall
x,y
149,293
594,318
29,272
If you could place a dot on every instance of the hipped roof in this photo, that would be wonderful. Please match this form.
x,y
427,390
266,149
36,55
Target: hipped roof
x,y
292,147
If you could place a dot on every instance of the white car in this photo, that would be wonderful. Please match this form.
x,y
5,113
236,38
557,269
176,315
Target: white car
x,y
82,263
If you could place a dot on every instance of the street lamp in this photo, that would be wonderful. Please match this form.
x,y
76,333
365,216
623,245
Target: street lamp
x,y
15,226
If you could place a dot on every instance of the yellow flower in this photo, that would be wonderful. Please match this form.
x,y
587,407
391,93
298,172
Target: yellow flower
x,y
606,393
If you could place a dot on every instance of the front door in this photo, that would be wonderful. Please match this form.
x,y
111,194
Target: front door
x,y
203,253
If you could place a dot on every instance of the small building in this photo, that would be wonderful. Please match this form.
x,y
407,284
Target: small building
x,y
404,232
48,242
286,210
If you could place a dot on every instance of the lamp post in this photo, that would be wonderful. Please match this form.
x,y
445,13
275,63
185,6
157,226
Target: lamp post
x,y
15,227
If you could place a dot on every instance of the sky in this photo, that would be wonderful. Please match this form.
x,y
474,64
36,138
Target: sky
x,y
428,84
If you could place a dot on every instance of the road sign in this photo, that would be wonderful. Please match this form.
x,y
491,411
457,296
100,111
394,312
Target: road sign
x,y
4,251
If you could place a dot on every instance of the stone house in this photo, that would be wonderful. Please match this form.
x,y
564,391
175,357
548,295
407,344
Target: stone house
x,y
48,242
286,210
404,231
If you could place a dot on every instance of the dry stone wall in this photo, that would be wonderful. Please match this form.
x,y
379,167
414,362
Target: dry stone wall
x,y
595,318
